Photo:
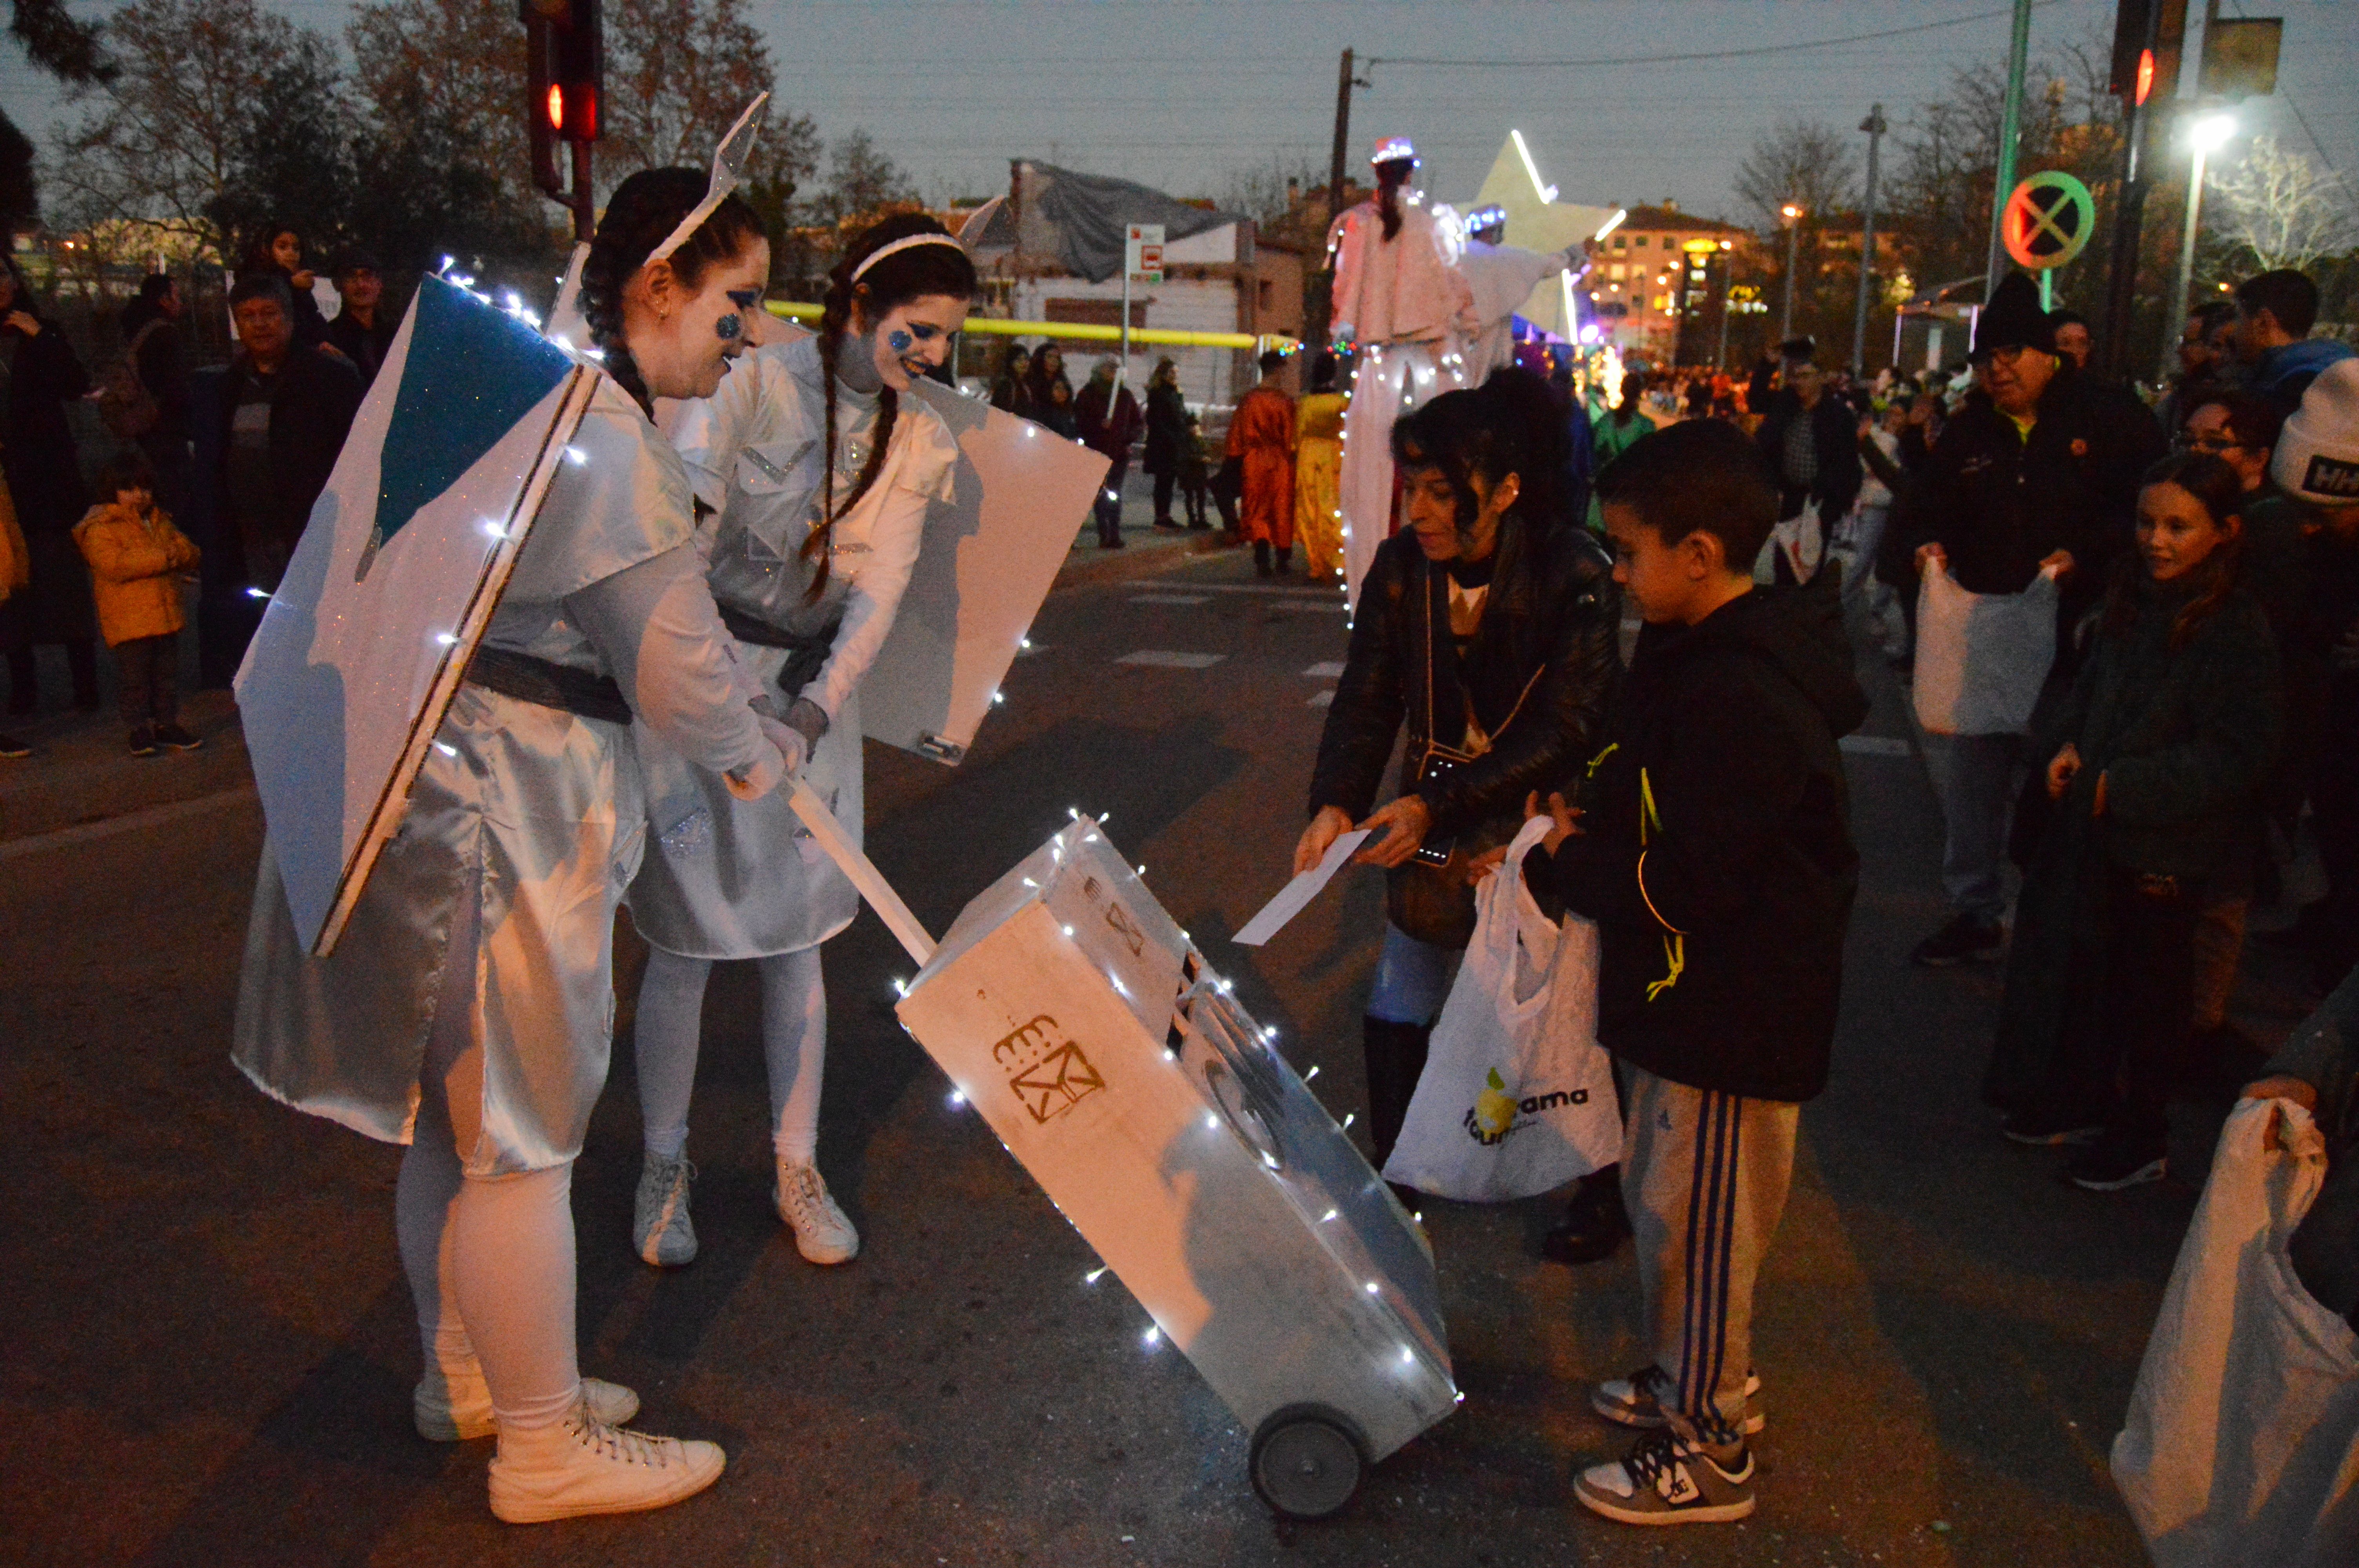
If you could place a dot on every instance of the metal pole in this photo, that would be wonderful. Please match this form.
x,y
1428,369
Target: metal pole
x,y
1793,241
2129,213
2010,131
1875,126
1727,286
1123,375
2175,307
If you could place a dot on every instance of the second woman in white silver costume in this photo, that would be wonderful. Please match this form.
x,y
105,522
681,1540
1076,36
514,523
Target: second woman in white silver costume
x,y
821,469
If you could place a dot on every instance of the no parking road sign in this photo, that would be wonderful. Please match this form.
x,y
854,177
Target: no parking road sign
x,y
2048,218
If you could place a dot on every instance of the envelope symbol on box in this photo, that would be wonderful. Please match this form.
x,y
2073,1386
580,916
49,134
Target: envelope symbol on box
x,y
1052,1086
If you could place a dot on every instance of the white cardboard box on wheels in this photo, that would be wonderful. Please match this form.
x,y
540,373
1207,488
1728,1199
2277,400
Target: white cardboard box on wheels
x,y
1073,1012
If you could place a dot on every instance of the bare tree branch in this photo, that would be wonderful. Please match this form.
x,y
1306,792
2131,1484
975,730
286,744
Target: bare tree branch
x,y
2283,207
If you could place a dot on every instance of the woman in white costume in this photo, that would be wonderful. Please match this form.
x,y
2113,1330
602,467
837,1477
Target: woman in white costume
x,y
821,469
467,1010
1400,299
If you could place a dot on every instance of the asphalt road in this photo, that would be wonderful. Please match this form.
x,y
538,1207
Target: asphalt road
x,y
210,1349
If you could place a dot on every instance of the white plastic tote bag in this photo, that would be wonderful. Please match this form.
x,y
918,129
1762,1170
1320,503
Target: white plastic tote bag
x,y
1800,541
2242,1443
1517,1097
1981,657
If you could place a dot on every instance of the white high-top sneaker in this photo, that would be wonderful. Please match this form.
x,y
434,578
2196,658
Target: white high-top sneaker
x,y
822,1233
583,1466
456,1408
661,1232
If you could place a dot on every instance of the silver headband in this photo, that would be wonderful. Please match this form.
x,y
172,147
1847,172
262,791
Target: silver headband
x,y
906,242
728,168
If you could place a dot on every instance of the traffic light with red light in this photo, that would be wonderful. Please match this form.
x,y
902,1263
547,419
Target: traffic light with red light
x,y
2146,48
565,66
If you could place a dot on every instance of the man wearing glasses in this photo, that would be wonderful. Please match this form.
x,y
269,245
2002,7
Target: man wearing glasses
x,y
2039,469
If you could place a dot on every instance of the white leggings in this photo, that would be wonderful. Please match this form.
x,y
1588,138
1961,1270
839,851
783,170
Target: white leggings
x,y
490,1258
794,1042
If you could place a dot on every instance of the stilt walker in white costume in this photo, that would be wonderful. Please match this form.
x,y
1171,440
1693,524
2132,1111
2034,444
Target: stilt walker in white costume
x,y
1501,277
1400,297
467,1010
820,467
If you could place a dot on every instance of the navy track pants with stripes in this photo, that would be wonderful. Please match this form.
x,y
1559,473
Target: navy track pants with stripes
x,y
1705,1175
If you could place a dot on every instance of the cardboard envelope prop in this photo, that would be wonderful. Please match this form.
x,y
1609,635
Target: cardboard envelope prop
x,y
991,554
398,570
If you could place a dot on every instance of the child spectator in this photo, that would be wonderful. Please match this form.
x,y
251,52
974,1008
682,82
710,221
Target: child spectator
x,y
1193,476
138,558
1713,851
2156,765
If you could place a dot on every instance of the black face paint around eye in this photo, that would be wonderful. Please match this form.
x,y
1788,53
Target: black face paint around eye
x,y
730,327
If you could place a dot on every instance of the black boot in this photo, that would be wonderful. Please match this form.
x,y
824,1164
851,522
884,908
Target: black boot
x,y
1394,1056
1594,1222
1285,559
1261,557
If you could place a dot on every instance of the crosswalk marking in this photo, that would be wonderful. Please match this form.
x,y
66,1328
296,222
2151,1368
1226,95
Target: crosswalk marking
x,y
1322,699
1875,745
1330,670
1164,659
1168,599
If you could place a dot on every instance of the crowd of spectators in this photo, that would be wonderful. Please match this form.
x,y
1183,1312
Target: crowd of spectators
x,y
207,475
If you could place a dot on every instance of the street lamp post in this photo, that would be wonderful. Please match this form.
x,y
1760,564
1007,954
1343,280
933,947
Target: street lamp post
x,y
1727,288
2204,137
1875,126
1792,213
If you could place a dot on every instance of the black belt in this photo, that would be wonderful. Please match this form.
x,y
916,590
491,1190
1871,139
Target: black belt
x,y
805,655
551,684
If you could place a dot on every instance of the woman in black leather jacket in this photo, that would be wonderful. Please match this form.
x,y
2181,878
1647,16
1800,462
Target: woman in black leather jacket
x,y
1489,627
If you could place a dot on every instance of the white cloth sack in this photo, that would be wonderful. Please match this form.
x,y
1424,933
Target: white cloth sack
x,y
1981,657
2242,1441
1517,1097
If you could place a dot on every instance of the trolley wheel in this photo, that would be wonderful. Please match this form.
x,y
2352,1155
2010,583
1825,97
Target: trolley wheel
x,y
1306,1461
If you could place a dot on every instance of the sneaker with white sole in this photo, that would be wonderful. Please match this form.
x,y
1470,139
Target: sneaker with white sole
x,y
661,1232
583,1466
822,1233
1637,1400
1669,1480
458,1410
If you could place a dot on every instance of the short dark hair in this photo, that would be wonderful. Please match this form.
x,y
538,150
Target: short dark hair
x,y
1271,362
2286,294
263,286
2067,318
1698,476
126,469
2253,419
2215,314
154,286
1797,348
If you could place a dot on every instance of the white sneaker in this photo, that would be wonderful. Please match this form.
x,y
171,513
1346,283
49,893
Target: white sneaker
x,y
822,1233
583,1466
661,1232
455,1410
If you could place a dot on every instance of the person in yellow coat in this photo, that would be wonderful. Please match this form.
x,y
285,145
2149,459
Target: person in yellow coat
x,y
136,561
1318,467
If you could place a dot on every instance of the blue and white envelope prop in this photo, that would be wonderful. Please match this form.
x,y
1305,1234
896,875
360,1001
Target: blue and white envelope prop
x,y
398,570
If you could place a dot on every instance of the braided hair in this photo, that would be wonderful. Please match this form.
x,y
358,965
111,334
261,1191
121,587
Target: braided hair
x,y
644,209
899,278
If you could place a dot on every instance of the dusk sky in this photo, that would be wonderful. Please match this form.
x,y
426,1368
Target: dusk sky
x,y
1181,92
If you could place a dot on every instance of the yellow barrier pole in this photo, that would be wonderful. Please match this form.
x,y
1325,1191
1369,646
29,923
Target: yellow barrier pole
x,y
1086,330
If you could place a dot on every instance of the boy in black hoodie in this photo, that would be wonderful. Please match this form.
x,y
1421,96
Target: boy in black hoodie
x,y
1713,849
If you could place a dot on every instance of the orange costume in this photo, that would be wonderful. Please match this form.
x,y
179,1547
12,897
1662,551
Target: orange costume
x,y
1262,432
1318,465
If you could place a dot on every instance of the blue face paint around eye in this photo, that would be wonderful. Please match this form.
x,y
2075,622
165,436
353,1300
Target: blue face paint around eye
x,y
899,340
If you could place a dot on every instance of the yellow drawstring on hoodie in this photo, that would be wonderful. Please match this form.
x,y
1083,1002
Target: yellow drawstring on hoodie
x,y
1675,944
